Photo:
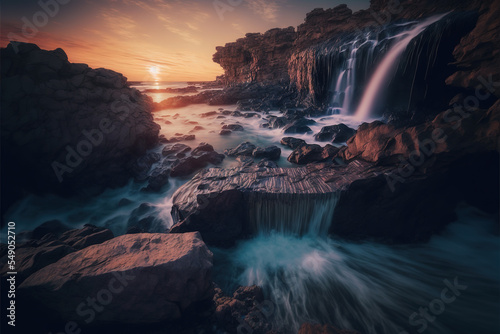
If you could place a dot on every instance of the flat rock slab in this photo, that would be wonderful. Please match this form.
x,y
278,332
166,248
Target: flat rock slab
x,y
137,278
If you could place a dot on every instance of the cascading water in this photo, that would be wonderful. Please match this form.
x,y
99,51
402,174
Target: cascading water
x,y
292,214
353,72
379,81
368,287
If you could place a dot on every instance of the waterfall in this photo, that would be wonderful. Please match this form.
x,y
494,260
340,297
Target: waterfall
x,y
292,214
385,70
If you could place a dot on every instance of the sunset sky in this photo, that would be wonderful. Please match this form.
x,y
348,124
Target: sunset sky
x,y
165,40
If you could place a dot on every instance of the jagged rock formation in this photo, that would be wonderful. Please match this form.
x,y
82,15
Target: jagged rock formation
x,y
405,180
68,128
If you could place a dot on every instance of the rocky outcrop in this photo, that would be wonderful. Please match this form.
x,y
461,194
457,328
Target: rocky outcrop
x,y
134,279
404,179
245,59
68,128
305,58
478,52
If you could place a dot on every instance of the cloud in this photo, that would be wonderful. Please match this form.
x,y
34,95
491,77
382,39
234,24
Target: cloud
x,y
119,23
267,9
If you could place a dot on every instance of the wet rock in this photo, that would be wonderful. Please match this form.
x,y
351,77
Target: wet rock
x,y
299,126
245,309
189,165
197,128
164,274
233,127
293,143
245,161
158,179
208,114
267,164
202,148
225,132
174,149
245,148
181,138
270,152
335,133
277,122
313,153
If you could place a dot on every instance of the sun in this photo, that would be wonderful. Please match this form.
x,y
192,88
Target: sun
x,y
155,72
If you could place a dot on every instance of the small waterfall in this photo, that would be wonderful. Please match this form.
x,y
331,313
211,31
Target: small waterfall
x,y
387,67
291,214
345,85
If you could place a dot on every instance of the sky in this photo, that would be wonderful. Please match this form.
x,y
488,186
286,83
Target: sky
x,y
150,40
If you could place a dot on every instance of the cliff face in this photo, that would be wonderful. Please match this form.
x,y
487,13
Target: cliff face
x,y
291,56
245,59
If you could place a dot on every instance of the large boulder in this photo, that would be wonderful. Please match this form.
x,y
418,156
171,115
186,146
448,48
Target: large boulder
x,y
65,127
132,279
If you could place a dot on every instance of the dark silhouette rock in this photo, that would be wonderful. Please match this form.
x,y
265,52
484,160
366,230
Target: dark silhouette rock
x,y
73,114
245,148
233,127
293,143
174,149
270,152
335,133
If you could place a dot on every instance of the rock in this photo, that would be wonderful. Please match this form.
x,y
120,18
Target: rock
x,y
267,164
163,274
322,329
245,161
56,241
233,127
270,152
55,227
245,306
175,148
181,138
202,147
245,148
189,165
335,133
217,224
208,114
312,153
225,132
293,143
277,122
87,236
377,166
65,105
197,128
299,126
158,179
